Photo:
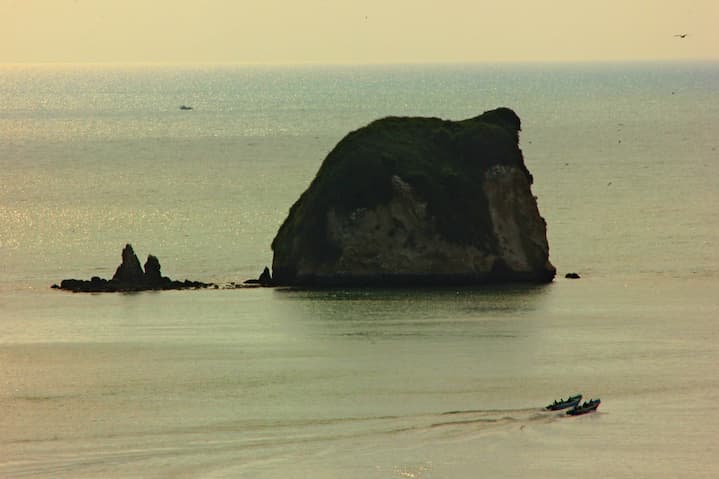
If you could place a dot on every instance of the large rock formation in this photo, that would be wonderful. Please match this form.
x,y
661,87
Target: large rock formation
x,y
418,201
129,276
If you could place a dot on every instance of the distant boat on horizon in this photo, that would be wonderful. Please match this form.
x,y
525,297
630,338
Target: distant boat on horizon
x,y
185,107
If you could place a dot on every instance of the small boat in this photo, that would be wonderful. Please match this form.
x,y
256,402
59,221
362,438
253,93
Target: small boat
x,y
564,403
588,406
185,107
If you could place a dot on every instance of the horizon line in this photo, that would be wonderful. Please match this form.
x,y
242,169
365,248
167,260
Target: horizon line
x,y
358,64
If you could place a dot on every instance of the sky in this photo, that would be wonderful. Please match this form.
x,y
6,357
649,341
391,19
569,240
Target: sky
x,y
344,31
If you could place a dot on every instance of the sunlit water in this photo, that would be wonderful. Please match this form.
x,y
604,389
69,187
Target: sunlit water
x,y
418,383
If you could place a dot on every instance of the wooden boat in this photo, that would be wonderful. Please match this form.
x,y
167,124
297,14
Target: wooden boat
x,y
588,406
564,403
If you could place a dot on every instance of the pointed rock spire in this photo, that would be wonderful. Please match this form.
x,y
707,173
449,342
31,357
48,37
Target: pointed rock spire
x,y
129,270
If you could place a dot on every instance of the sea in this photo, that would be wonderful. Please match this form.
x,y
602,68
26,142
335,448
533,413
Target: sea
x,y
419,383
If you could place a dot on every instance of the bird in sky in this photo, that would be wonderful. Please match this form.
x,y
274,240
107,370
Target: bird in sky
x,y
681,35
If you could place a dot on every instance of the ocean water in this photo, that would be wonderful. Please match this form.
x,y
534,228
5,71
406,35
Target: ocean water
x,y
407,383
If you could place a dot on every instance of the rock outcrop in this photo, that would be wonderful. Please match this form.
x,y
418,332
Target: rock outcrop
x,y
129,270
418,201
265,279
129,276
152,273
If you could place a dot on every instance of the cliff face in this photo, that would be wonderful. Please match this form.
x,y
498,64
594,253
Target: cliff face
x,y
418,200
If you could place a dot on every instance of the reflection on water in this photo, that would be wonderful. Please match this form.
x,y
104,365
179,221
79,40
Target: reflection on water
x,y
403,312
420,302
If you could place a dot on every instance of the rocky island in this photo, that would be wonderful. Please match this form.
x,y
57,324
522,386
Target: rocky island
x,y
407,201
129,276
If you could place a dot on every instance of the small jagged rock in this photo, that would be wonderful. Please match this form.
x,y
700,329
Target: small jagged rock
x,y
265,278
129,270
572,276
129,276
152,271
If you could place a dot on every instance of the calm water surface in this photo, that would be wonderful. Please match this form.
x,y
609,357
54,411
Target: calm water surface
x,y
422,383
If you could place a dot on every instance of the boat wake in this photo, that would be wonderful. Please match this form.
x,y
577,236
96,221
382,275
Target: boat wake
x,y
252,446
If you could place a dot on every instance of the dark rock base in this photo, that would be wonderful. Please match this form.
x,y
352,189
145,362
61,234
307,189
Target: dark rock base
x,y
100,285
409,280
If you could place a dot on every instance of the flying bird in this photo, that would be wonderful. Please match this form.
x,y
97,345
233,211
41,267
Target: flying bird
x,y
681,35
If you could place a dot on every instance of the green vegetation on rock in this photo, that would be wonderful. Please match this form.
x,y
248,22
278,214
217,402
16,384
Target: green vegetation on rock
x,y
443,161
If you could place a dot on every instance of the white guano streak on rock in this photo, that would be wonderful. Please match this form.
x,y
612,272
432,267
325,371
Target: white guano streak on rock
x,y
398,238
513,210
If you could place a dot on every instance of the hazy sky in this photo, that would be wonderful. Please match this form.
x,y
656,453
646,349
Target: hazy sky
x,y
375,31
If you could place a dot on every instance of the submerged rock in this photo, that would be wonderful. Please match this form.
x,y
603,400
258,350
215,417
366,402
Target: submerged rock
x,y
418,201
129,276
